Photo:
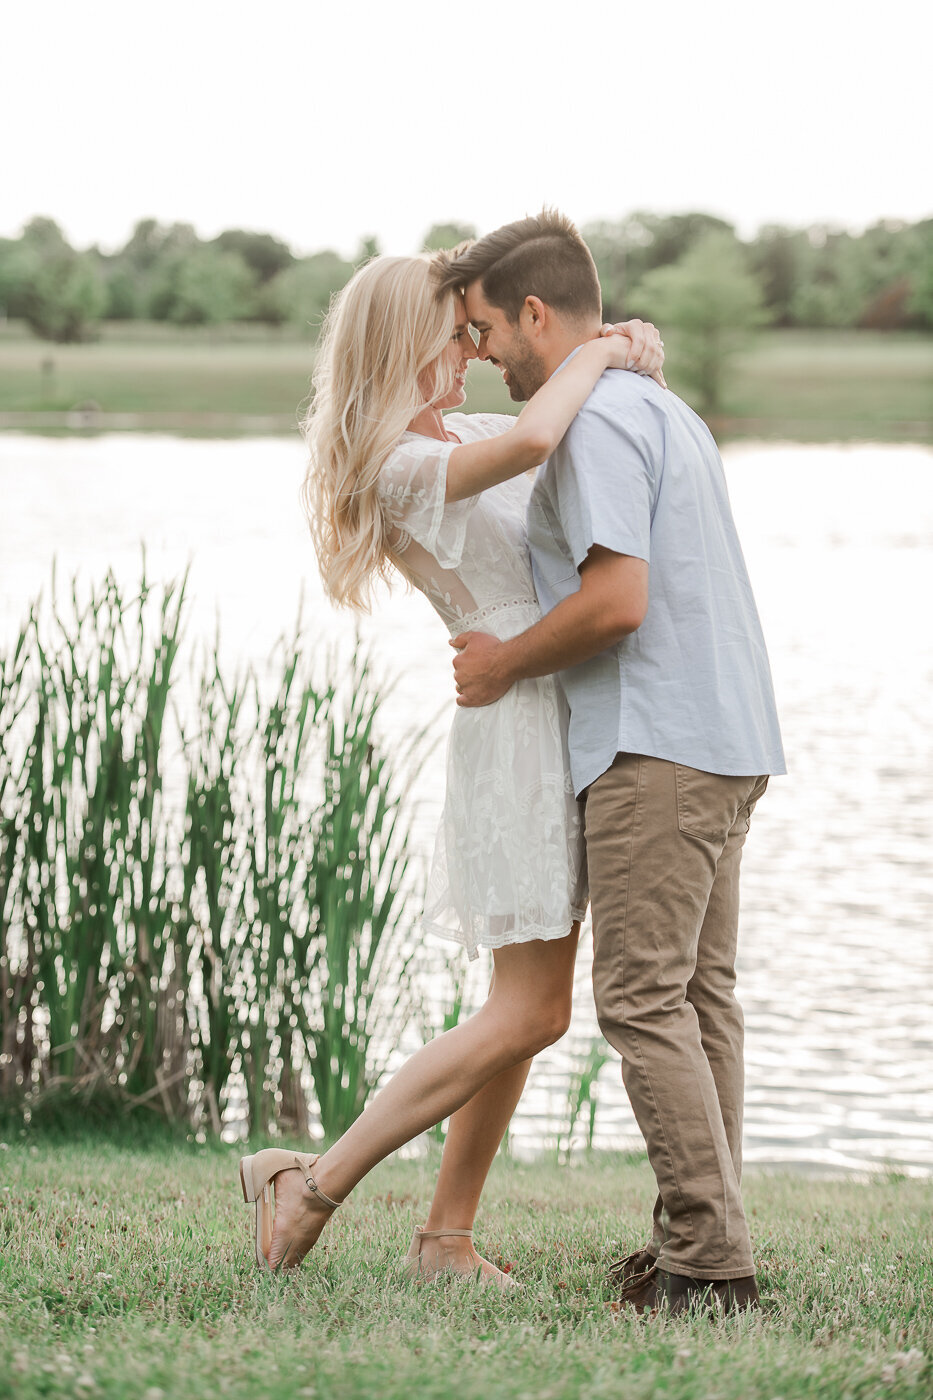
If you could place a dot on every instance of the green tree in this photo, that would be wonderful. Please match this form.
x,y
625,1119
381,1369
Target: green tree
x,y
210,287
448,235
133,272
146,244
125,299
895,258
712,299
158,257
368,249
44,237
302,293
920,301
59,292
778,257
624,251
15,269
263,254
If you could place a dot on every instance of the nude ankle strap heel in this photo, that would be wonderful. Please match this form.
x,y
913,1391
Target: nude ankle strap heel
x,y
257,1174
414,1266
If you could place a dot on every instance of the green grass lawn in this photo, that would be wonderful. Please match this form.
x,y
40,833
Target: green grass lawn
x,y
793,384
128,1271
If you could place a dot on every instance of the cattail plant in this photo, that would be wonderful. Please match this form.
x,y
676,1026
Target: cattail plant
x,y
204,910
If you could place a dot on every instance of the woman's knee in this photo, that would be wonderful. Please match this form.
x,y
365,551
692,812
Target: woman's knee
x,y
559,1022
539,1025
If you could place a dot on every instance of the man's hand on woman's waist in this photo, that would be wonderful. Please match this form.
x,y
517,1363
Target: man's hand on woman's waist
x,y
610,604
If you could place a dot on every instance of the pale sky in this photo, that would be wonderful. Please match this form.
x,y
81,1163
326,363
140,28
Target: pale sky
x,y
324,123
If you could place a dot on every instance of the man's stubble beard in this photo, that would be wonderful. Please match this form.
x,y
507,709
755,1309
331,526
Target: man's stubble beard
x,y
526,369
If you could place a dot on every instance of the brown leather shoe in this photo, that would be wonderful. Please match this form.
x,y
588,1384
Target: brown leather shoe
x,y
677,1293
625,1271
727,1295
643,1293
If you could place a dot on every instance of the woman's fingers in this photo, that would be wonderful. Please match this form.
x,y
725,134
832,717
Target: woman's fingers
x,y
635,330
647,348
652,358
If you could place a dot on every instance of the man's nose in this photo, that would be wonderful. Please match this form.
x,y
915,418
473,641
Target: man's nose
x,y
482,349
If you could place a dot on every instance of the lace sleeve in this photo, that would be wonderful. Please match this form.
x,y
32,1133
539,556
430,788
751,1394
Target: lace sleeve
x,y
487,424
412,487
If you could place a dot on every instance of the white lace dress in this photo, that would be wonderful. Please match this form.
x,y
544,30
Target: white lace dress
x,y
509,861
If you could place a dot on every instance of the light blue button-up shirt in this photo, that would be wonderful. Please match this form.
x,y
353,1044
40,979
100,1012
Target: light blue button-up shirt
x,y
639,473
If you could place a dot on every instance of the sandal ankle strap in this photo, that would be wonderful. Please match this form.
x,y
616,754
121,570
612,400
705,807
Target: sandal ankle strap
x,y
313,1186
435,1234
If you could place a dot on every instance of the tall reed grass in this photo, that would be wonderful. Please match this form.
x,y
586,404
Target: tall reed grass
x,y
205,882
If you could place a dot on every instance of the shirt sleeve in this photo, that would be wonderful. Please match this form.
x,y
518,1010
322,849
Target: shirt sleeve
x,y
607,481
412,487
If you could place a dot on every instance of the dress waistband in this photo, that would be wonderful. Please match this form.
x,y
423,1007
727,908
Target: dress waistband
x,y
471,621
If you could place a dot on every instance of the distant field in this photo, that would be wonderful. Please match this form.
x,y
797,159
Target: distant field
x,y
178,375
793,384
881,384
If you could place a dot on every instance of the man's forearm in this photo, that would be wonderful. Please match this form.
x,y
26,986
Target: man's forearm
x,y
611,603
572,632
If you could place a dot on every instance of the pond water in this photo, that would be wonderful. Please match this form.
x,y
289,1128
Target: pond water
x,y
836,954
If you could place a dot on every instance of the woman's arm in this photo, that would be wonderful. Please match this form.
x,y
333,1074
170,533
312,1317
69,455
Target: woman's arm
x,y
475,466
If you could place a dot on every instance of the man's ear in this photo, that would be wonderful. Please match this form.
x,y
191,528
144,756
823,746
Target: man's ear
x,y
534,317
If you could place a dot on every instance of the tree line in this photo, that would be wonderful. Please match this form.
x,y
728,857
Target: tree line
x,y
820,276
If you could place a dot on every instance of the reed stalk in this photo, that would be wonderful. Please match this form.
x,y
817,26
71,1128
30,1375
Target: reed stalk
x,y
17,962
582,1097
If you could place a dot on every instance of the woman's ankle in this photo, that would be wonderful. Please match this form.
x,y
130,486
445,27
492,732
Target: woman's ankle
x,y
444,1220
330,1180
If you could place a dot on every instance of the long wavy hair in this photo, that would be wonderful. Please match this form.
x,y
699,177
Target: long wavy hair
x,y
378,365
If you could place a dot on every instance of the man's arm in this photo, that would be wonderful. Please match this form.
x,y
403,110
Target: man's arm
x,y
610,603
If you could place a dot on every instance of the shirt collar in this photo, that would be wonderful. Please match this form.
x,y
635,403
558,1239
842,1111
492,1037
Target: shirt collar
x,y
566,361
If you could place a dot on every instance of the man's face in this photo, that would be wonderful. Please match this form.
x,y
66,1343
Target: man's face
x,y
505,345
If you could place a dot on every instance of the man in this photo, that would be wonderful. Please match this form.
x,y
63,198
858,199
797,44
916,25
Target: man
x,y
650,620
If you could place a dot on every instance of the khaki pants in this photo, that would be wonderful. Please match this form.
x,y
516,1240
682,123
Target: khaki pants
x,y
664,843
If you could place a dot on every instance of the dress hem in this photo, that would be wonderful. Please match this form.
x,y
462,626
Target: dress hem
x,y
532,933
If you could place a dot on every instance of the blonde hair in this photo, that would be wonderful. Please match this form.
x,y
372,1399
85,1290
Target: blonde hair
x,y
377,367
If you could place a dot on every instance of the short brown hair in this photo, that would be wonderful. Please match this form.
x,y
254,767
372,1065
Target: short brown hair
x,y
542,256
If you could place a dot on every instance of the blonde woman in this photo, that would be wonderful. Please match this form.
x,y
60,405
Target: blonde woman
x,y
394,484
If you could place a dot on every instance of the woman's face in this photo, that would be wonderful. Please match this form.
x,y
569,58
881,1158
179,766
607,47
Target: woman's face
x,y
460,351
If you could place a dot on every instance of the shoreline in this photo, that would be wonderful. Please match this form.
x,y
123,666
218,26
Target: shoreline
x,y
90,422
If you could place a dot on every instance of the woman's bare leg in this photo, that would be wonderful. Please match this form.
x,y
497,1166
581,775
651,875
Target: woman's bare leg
x,y
528,1008
473,1138
472,1141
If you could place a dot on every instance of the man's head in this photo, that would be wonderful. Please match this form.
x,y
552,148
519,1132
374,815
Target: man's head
x,y
532,292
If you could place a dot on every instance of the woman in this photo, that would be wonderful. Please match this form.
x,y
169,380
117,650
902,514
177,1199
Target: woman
x,y
393,483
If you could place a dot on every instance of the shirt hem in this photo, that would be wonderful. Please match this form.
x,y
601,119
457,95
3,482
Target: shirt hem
x,y
771,769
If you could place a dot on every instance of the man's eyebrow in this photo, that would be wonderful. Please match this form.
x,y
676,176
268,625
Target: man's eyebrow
x,y
479,325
